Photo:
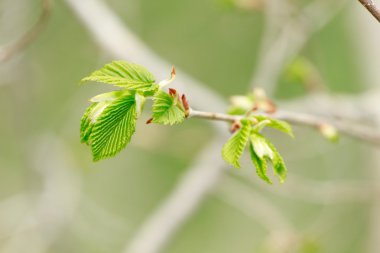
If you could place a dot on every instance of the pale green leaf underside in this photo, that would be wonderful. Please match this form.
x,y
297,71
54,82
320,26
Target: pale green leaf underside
x,y
109,96
123,74
166,109
260,164
114,128
265,150
234,147
89,118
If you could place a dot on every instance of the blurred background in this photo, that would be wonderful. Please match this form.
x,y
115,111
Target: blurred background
x,y
169,191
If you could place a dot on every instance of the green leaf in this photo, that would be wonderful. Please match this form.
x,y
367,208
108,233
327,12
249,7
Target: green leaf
x,y
89,118
260,146
264,149
260,125
233,149
276,124
260,164
123,74
140,103
278,163
99,103
114,127
167,109
109,96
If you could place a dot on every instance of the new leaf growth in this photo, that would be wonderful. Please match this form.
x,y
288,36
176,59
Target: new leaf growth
x,y
109,123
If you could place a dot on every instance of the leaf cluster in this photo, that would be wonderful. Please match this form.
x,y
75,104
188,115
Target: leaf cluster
x,y
109,122
260,148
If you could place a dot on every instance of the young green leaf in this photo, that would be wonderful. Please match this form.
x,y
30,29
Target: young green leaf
x,y
264,149
260,146
114,127
167,109
278,163
109,96
276,124
233,149
260,164
258,127
89,118
123,74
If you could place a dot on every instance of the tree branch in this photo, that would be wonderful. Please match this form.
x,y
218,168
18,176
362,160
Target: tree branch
x,y
372,8
361,132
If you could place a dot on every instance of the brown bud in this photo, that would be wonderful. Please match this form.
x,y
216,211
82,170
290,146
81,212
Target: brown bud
x,y
235,126
172,92
185,102
173,73
149,121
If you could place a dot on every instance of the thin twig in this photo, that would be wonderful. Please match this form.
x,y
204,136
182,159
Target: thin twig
x,y
7,52
361,132
372,8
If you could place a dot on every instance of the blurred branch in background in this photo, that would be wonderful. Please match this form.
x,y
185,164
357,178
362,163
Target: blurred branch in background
x,y
290,37
252,204
313,191
56,204
372,8
8,51
282,237
359,108
181,203
120,42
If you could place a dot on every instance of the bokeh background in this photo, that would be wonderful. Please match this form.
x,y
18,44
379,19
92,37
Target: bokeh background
x,y
53,198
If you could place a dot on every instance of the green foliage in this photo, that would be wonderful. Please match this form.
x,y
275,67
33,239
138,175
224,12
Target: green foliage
x,y
109,122
88,120
276,124
233,149
126,75
114,127
167,109
263,150
260,164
